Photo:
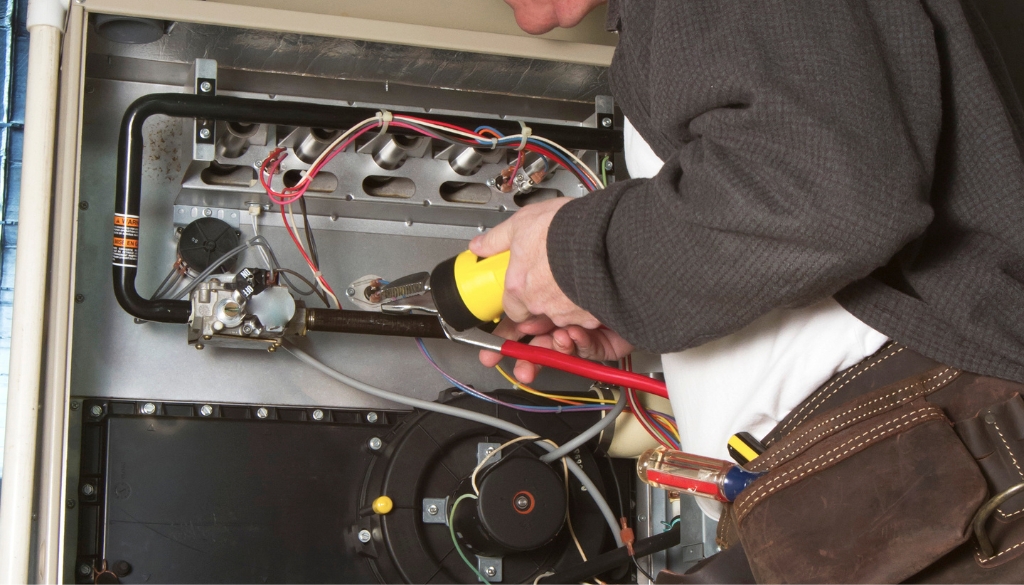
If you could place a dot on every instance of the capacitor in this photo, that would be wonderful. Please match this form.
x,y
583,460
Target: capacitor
x,y
701,476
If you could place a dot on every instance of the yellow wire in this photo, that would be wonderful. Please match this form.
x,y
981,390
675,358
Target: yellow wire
x,y
667,424
529,390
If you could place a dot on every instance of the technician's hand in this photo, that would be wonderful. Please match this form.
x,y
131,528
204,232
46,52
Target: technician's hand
x,y
594,344
530,288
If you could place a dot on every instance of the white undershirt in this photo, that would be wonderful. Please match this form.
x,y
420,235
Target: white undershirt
x,y
751,379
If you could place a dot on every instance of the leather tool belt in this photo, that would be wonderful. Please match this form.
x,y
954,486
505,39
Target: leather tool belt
x,y
899,469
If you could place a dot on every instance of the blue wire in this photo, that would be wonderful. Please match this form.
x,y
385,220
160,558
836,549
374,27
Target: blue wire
x,y
477,394
490,128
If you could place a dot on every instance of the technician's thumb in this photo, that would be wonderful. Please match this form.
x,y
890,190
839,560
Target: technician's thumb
x,y
493,242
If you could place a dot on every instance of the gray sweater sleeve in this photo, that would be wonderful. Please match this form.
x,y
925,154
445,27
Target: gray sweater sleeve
x,y
799,142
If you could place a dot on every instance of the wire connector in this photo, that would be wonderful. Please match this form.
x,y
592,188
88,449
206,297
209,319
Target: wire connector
x,y
526,132
626,534
384,117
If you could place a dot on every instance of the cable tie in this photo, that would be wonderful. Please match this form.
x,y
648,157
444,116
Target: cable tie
x,y
384,117
494,143
526,132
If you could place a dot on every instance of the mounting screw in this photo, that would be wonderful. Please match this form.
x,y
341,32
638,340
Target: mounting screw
x,y
522,503
318,414
88,489
200,346
490,571
79,298
71,503
371,417
83,205
122,568
609,165
262,412
583,488
490,182
606,122
364,536
149,408
205,87
74,405
489,450
272,348
208,212
642,518
246,329
432,510
205,410
350,291
207,337
96,411
376,444
204,133
85,569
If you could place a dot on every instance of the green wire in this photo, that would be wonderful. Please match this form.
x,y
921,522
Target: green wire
x,y
458,549
604,173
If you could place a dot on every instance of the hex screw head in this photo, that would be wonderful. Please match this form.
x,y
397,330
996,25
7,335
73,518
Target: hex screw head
x,y
606,122
88,489
609,165
350,291
371,417
74,405
490,571
247,329
318,414
204,133
79,298
83,205
206,410
149,408
364,536
432,510
376,444
71,503
205,87
262,412
522,503
96,411
207,212
84,569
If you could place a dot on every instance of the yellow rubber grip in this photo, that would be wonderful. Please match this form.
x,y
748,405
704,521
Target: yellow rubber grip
x,y
741,447
481,283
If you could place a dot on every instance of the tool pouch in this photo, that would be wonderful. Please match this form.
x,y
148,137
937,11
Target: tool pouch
x,y
873,491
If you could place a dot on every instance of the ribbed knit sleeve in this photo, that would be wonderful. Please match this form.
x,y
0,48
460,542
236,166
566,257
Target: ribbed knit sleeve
x,y
799,140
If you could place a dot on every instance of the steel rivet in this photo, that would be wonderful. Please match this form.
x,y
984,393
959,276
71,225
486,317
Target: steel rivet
x,y
148,408
262,412
206,410
364,536
205,86
88,489
990,418
96,410
371,417
432,510
606,122
376,444
204,133
318,414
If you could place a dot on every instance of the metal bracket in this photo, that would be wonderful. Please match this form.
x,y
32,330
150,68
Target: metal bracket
x,y
203,81
604,110
489,567
485,449
435,510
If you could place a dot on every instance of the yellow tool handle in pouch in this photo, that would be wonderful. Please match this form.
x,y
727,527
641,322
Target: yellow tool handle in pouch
x,y
481,283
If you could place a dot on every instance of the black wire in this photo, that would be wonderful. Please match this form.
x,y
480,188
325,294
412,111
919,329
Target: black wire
x,y
618,488
319,293
639,568
310,242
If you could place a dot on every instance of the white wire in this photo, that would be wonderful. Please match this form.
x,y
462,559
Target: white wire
x,y
582,165
472,478
481,418
256,232
327,151
317,275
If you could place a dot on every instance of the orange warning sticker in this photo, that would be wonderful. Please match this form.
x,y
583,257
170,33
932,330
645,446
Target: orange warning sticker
x,y
126,243
125,220
126,239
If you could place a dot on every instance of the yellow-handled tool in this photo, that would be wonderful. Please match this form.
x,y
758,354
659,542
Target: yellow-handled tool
x,y
467,289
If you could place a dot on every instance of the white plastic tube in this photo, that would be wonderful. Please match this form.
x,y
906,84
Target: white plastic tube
x,y
45,23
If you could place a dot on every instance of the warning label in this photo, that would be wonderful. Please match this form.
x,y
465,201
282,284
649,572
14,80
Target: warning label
x,y
126,239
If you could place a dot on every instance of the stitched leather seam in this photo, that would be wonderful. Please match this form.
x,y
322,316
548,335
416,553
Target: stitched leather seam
x,y
928,410
1015,464
977,554
787,452
837,389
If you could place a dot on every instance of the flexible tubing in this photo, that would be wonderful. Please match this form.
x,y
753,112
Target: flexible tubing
x,y
581,367
497,423
590,433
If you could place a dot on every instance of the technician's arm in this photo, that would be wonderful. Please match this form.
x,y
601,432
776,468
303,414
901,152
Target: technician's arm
x,y
805,154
